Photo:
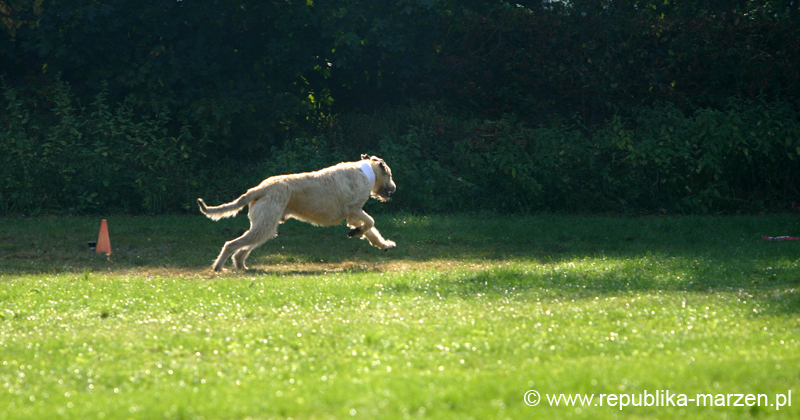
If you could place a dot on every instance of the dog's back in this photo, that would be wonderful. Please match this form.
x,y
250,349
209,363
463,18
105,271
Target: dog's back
x,y
325,196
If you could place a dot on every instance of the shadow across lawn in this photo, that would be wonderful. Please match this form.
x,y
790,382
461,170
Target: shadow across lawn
x,y
594,253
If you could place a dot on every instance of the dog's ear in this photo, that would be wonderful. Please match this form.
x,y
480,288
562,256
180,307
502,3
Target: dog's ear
x,y
379,160
364,156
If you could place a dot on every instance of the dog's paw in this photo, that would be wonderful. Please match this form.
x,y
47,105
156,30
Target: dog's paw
x,y
354,233
389,245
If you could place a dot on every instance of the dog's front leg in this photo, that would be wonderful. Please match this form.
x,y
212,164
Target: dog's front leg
x,y
374,237
360,223
363,225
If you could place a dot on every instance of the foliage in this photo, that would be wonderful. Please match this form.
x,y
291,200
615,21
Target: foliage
x,y
103,157
556,59
655,159
16,14
248,70
585,105
254,71
744,157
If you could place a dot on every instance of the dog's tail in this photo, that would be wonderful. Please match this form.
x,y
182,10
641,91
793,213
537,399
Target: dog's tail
x,y
229,209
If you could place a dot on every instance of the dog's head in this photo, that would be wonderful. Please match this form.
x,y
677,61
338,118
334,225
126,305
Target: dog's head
x,y
384,184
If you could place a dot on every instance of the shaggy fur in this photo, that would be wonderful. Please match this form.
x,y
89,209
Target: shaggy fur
x,y
323,198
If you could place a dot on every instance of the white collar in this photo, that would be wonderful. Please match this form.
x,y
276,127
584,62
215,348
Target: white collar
x,y
366,168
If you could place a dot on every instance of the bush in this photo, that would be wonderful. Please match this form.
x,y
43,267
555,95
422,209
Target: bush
x,y
656,159
104,158
743,157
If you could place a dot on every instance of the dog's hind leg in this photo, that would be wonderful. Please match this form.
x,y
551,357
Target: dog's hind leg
x,y
240,247
265,215
233,247
239,257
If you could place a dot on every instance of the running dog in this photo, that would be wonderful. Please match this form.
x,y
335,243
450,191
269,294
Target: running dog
x,y
323,198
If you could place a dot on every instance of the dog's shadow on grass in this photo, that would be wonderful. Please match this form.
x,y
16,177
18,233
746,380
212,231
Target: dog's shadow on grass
x,y
280,271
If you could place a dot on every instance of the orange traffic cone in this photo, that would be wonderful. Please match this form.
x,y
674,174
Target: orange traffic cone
x,y
103,243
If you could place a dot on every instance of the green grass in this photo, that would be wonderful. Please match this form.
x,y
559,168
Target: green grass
x,y
468,314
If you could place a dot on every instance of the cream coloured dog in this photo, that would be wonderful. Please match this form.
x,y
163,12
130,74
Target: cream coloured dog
x,y
323,198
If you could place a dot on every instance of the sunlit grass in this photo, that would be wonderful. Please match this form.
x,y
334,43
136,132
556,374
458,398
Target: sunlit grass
x,y
467,316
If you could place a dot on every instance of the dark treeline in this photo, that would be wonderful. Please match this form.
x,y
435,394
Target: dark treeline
x,y
583,105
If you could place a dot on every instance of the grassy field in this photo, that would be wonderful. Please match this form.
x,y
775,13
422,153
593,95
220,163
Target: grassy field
x,y
468,315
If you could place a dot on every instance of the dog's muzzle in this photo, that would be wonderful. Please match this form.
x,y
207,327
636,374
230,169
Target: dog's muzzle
x,y
386,191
